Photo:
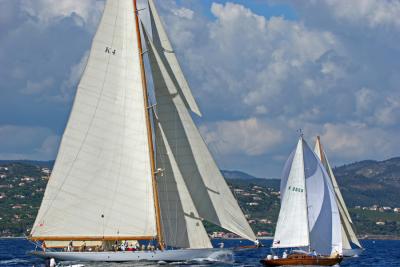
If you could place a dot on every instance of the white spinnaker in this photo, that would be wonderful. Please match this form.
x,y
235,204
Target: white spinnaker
x,y
292,226
163,45
211,195
323,213
344,213
101,183
182,226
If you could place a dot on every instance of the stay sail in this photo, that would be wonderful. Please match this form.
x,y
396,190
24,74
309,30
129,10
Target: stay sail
x,y
350,243
128,169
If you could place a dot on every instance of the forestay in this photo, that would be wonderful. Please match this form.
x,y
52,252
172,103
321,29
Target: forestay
x,y
211,195
101,183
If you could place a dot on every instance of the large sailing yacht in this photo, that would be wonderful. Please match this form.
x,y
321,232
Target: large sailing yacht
x,y
351,245
308,228
130,171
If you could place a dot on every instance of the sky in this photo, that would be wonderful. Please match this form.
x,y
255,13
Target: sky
x,y
259,70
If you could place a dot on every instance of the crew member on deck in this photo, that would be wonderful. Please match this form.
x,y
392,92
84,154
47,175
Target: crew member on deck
x,y
70,246
44,246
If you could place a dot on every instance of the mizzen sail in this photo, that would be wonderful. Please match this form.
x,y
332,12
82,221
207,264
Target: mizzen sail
x,y
101,185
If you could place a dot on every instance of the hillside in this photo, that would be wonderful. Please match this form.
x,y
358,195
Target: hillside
x,y
236,175
367,187
367,183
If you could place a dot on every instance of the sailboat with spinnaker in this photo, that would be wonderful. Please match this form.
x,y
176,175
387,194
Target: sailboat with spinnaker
x,y
133,180
308,228
351,245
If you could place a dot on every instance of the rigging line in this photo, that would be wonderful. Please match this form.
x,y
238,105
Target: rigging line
x,y
92,119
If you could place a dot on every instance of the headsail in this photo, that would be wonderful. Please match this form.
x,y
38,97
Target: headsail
x,y
292,226
309,216
182,226
323,213
344,213
211,195
101,186
163,45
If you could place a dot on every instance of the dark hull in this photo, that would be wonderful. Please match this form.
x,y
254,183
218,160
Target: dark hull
x,y
303,260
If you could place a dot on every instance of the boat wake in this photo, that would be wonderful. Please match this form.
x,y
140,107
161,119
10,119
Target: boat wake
x,y
12,262
216,257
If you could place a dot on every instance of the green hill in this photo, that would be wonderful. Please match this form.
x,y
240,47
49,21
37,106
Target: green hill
x,y
369,185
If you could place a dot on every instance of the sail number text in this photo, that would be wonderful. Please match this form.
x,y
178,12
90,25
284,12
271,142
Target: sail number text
x,y
295,189
109,50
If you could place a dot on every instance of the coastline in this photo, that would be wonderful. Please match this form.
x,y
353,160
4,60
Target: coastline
x,y
365,237
380,237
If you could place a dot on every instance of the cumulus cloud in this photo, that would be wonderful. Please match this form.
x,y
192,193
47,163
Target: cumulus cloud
x,y
254,62
84,12
183,13
372,13
37,87
26,142
333,71
68,86
355,141
389,114
250,137
310,73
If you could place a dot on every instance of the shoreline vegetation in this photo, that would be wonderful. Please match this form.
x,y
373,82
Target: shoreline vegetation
x,y
370,188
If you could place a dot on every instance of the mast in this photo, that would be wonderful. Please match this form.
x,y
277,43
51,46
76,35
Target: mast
x,y
149,131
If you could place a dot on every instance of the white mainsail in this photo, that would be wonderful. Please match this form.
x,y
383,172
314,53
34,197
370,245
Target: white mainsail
x,y
347,228
309,216
101,185
211,195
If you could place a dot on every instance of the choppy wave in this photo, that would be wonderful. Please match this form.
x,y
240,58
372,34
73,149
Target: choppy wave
x,y
13,253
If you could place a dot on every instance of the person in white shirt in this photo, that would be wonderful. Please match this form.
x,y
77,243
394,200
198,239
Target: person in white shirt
x,y
52,262
284,256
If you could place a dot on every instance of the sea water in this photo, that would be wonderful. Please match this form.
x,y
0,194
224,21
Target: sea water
x,y
385,253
